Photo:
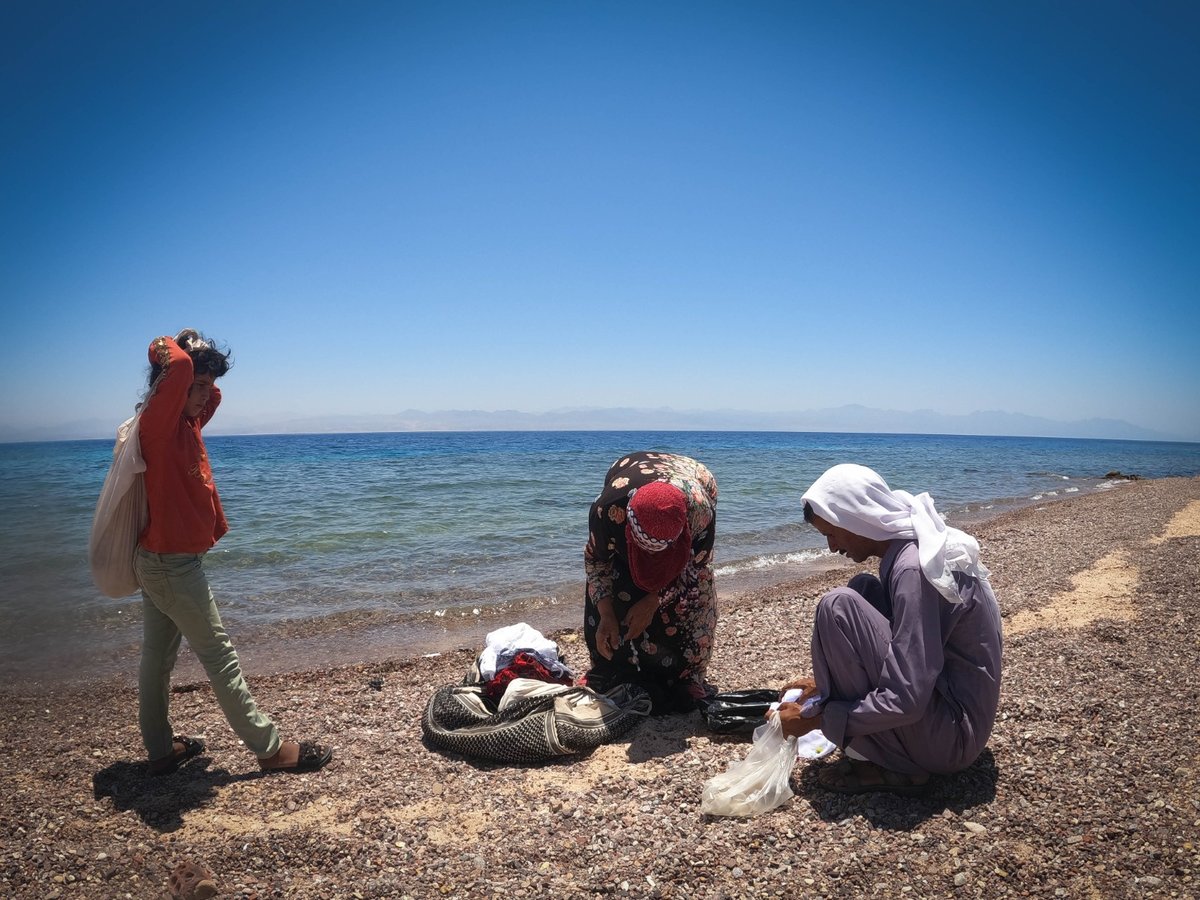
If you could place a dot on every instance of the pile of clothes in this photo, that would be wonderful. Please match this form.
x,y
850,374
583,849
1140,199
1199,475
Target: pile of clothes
x,y
518,651
519,703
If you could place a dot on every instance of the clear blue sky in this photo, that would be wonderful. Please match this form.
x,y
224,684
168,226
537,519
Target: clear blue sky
x,y
756,206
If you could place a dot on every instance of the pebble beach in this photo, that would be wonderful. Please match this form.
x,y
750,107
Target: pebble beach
x,y
1090,786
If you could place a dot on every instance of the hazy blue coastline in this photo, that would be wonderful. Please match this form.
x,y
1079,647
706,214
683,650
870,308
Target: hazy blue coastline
x,y
851,418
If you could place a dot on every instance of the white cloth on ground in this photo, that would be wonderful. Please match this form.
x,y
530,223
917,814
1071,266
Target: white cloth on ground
x,y
858,499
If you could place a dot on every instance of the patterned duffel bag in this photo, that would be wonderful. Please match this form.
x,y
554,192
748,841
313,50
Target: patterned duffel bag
x,y
534,720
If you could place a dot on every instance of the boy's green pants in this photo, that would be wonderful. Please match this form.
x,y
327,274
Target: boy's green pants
x,y
176,601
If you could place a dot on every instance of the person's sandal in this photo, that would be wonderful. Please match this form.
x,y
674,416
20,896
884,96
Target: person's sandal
x,y
168,764
847,777
192,880
312,757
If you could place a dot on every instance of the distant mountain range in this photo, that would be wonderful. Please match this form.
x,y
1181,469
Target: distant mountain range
x,y
851,418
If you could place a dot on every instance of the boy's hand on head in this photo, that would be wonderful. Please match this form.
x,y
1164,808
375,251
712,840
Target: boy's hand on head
x,y
189,339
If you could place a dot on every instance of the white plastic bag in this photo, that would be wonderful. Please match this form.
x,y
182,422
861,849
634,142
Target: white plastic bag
x,y
121,514
758,783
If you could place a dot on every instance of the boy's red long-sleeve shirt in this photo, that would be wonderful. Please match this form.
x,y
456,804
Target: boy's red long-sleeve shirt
x,y
185,510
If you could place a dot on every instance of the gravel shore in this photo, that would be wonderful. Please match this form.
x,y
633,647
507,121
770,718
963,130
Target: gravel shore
x,y
1088,788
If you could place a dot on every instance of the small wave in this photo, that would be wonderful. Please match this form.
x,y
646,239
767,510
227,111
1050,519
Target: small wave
x,y
770,561
1071,490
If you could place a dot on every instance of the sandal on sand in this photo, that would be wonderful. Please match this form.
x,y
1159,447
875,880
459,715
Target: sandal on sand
x,y
182,749
312,757
852,776
192,880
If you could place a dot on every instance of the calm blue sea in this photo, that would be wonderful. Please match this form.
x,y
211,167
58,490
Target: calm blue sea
x,y
349,545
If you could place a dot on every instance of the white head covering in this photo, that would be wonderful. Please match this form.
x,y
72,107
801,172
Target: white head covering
x,y
858,499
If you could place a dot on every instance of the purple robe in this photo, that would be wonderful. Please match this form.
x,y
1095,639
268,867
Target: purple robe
x,y
912,680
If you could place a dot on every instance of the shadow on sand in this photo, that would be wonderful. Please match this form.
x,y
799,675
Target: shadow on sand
x,y
161,802
972,787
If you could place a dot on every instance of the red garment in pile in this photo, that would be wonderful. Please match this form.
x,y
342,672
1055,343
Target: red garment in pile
x,y
523,665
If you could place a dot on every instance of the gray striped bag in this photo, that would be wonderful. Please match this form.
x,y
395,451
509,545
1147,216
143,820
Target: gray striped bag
x,y
550,722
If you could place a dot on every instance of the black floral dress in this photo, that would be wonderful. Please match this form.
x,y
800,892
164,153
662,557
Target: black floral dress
x,y
670,658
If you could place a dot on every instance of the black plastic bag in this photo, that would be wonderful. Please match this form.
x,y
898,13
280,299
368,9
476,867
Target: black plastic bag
x,y
738,712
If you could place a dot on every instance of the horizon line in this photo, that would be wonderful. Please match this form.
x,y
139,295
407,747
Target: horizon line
x,y
431,431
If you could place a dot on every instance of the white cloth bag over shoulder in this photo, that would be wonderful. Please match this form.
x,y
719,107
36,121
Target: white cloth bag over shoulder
x,y
758,783
121,514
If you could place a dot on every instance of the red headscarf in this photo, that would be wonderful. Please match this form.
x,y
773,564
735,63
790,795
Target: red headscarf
x,y
657,535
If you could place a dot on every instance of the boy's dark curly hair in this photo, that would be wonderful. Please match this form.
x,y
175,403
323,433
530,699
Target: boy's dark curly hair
x,y
206,358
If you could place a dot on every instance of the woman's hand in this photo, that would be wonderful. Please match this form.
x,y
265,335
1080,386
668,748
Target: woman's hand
x,y
792,723
608,635
640,615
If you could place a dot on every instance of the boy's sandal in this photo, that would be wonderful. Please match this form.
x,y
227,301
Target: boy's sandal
x,y
313,756
192,880
168,764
